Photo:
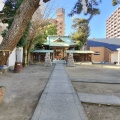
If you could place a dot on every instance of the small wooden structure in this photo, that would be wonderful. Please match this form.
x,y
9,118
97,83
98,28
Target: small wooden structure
x,y
80,55
4,52
39,55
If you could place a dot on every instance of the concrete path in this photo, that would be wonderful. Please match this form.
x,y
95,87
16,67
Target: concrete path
x,y
99,99
59,100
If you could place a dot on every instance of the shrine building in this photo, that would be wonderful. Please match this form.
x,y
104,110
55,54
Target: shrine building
x,y
59,48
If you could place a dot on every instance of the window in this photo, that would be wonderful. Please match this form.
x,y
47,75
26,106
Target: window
x,y
97,53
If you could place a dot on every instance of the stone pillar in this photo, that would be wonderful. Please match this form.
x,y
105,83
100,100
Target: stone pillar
x,y
48,60
70,62
53,54
63,53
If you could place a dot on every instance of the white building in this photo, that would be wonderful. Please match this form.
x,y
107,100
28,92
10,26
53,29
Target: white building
x,y
113,25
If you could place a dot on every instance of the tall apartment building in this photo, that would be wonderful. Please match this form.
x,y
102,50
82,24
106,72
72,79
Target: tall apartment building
x,y
59,21
113,25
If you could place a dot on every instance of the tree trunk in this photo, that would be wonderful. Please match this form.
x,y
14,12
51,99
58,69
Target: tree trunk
x,y
28,58
21,20
30,37
28,49
25,63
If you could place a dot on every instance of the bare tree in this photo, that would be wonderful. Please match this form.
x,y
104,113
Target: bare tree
x,y
40,21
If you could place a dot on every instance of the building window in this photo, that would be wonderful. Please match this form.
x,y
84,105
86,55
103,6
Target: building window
x,y
97,53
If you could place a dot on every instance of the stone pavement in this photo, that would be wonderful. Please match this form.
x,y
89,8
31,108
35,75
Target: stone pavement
x,y
99,99
59,100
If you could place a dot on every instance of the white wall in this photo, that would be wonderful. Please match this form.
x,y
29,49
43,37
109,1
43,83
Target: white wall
x,y
19,54
1,39
12,58
15,56
114,57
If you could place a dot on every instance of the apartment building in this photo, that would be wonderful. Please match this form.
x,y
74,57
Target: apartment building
x,y
59,21
113,25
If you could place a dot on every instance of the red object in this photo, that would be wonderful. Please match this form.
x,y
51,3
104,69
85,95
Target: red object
x,y
18,67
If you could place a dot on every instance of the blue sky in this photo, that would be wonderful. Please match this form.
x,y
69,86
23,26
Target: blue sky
x,y
97,24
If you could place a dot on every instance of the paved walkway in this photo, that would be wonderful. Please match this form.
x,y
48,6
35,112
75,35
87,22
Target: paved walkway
x,y
59,100
99,99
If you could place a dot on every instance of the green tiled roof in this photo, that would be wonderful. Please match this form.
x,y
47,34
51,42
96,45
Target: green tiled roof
x,y
51,41
42,51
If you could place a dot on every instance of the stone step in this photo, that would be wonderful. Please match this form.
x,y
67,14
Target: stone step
x,y
99,99
59,61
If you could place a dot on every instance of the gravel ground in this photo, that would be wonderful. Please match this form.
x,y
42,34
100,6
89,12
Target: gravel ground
x,y
95,111
23,91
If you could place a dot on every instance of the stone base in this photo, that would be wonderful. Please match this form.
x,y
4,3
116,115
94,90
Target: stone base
x,y
118,64
5,70
70,63
2,93
48,62
0,71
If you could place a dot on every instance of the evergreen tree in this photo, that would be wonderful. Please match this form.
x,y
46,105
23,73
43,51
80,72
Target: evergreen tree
x,y
91,5
115,2
82,31
42,36
9,11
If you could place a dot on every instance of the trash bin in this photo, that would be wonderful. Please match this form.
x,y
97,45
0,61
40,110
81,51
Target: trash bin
x,y
1,67
18,67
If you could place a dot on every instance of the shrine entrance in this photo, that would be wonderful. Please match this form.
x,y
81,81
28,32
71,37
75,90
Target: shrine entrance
x,y
59,44
59,53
